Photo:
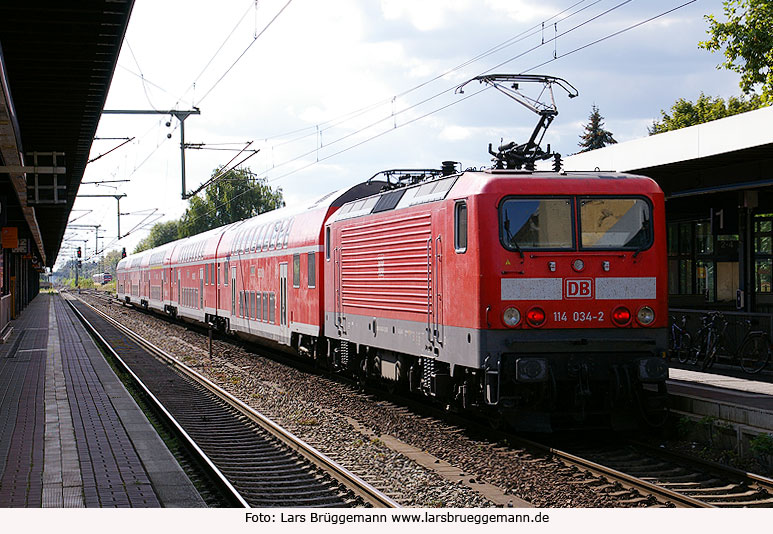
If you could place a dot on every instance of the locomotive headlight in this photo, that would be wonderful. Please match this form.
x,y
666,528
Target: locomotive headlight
x,y
645,315
511,317
578,265
653,370
531,370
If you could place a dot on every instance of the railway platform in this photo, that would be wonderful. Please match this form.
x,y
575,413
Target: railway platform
x,y
741,406
71,436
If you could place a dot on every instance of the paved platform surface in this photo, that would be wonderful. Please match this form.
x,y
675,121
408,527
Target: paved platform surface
x,y
70,434
742,401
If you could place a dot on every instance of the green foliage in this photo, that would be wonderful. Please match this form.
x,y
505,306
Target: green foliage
x,y
762,444
595,135
238,194
686,113
161,234
110,261
747,40
685,427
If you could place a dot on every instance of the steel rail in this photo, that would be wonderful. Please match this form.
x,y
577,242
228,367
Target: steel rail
x,y
230,492
753,478
351,481
648,487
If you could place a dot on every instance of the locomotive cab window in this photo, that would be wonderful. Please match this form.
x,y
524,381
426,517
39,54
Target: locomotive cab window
x,y
615,223
536,223
460,227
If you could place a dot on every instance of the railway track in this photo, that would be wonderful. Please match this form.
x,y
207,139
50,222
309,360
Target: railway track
x,y
632,474
674,478
258,462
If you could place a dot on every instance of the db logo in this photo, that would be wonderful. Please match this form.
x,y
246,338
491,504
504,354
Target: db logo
x,y
578,288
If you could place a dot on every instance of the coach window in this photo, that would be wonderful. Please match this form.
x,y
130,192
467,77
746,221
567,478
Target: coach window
x,y
460,227
327,243
287,233
312,270
296,270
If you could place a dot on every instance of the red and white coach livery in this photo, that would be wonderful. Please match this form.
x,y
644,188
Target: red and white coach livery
x,y
539,297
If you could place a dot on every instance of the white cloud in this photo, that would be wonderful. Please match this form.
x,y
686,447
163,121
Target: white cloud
x,y
522,10
321,60
424,15
454,133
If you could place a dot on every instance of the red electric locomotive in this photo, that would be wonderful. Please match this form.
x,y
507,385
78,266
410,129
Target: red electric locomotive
x,y
540,296
534,297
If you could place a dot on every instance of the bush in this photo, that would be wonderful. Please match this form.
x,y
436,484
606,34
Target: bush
x,y
762,444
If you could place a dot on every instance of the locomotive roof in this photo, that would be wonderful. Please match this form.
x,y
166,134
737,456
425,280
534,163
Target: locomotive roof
x,y
473,182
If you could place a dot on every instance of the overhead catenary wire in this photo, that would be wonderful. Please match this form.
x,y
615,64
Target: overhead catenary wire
x,y
335,122
222,45
558,35
492,50
393,114
591,43
254,40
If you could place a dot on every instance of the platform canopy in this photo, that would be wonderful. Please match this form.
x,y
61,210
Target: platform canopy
x,y
730,154
57,60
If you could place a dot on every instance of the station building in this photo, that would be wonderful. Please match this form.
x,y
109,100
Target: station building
x,y
718,182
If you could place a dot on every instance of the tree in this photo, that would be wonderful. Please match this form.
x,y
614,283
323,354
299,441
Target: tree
x,y
160,234
595,135
111,260
747,39
686,113
238,194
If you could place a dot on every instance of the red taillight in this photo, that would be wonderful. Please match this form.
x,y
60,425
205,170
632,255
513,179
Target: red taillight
x,y
535,316
621,316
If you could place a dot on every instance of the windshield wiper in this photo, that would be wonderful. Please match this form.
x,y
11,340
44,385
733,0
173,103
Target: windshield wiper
x,y
645,234
511,237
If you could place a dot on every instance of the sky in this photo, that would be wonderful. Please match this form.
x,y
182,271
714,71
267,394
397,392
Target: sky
x,y
332,92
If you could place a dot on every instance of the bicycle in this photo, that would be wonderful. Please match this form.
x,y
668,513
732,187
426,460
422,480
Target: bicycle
x,y
680,341
754,353
707,340
716,339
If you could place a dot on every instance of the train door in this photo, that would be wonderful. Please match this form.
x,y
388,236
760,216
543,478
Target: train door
x,y
179,282
218,277
283,294
339,312
438,291
201,288
435,290
233,290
